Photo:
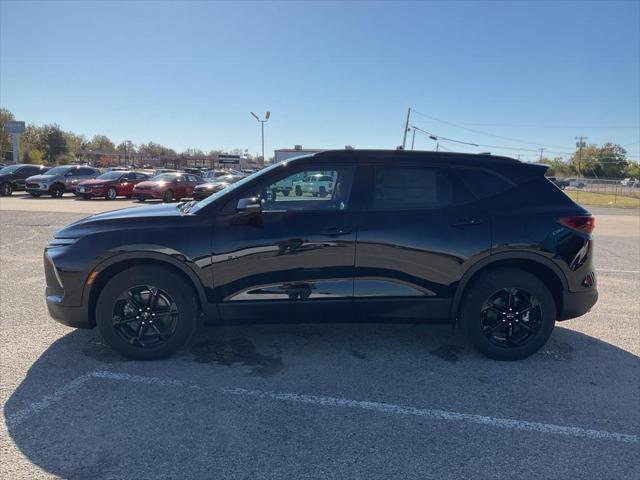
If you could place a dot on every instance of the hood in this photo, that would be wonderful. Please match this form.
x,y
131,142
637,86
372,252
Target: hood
x,y
44,177
95,181
127,217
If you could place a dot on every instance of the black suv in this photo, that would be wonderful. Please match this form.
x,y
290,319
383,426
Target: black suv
x,y
13,177
483,242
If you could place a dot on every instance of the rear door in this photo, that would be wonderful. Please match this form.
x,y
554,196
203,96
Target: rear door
x,y
417,234
293,261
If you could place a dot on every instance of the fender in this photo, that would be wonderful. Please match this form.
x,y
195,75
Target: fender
x,y
209,310
493,258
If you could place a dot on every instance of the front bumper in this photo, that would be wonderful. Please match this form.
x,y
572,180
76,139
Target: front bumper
x,y
75,317
91,192
42,188
576,304
147,194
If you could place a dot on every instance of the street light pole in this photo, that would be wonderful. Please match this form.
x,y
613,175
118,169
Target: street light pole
x,y
262,122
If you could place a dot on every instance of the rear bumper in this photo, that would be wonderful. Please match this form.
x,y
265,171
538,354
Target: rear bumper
x,y
576,304
70,316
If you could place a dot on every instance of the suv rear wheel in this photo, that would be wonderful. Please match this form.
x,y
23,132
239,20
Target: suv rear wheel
x,y
146,312
508,313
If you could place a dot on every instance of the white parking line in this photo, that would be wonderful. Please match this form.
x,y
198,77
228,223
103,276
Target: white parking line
x,y
609,270
438,415
18,417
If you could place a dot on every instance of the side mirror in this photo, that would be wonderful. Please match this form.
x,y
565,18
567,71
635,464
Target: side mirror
x,y
249,205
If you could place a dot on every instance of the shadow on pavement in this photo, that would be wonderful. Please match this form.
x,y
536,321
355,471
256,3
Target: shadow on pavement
x,y
123,429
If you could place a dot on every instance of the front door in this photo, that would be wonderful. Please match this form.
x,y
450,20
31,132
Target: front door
x,y
293,260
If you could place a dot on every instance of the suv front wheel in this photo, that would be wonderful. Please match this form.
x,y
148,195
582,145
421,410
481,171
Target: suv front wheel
x,y
146,312
507,313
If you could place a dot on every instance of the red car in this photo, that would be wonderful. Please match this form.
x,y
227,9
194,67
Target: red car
x,y
167,186
111,185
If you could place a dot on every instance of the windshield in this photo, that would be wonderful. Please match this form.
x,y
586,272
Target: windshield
x,y
9,169
58,170
212,198
113,175
164,177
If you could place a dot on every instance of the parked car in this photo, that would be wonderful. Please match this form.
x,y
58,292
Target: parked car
x,y
59,180
204,190
110,185
167,186
193,171
485,243
317,184
561,183
575,183
630,182
13,177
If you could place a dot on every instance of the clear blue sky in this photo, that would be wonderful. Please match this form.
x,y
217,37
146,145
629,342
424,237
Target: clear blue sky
x,y
188,74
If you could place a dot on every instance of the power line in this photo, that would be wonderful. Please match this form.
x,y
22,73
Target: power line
x,y
485,133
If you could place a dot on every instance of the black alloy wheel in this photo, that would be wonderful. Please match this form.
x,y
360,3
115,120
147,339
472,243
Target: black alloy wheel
x,y
511,317
145,316
6,189
507,313
56,191
147,312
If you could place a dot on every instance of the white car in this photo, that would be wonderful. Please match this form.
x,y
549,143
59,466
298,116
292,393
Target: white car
x,y
317,184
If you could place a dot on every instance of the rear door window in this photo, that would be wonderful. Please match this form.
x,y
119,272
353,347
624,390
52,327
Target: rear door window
x,y
411,188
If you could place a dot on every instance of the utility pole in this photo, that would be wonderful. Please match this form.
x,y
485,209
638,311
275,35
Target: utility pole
x,y
580,143
541,150
406,129
413,140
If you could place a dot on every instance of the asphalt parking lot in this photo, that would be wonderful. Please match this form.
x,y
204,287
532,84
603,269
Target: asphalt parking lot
x,y
315,401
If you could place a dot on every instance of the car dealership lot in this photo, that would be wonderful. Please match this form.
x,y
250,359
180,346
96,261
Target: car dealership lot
x,y
321,401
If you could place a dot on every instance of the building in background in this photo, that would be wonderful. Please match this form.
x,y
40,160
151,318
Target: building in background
x,y
283,154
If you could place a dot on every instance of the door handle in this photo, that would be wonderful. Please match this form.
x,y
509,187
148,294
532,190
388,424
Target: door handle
x,y
466,221
334,232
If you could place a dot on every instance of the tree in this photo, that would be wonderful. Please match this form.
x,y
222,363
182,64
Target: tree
x,y
558,167
155,150
64,159
5,138
100,143
53,142
34,156
608,161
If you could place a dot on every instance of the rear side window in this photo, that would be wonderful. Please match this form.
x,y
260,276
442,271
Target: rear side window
x,y
408,188
85,171
480,183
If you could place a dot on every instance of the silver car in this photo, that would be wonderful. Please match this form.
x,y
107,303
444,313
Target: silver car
x,y
59,180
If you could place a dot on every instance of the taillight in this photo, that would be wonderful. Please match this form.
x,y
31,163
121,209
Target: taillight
x,y
581,223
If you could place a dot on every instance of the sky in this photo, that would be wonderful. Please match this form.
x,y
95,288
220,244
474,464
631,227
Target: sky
x,y
510,77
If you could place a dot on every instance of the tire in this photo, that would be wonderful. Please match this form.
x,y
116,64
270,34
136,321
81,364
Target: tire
x,y
6,189
142,199
491,303
111,194
286,192
56,191
173,287
35,194
168,196
323,192
298,191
